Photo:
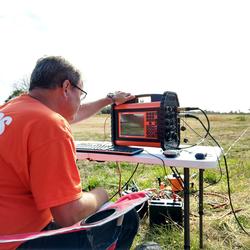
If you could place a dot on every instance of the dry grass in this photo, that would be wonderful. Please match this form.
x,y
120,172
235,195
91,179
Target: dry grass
x,y
221,230
95,128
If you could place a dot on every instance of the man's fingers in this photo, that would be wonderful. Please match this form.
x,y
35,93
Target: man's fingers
x,y
130,97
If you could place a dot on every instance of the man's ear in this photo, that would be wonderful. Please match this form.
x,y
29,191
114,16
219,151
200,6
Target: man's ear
x,y
65,87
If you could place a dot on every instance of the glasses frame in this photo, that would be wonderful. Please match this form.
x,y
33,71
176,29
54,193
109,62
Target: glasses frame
x,y
84,93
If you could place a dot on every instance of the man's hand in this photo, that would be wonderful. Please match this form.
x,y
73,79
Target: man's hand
x,y
86,110
120,97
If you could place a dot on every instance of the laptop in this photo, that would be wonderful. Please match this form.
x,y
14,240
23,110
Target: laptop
x,y
140,122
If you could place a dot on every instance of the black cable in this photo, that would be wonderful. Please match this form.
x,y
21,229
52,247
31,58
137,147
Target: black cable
x,y
125,183
229,196
163,163
217,157
192,116
212,184
202,137
207,129
192,128
208,132
208,123
177,175
164,167
227,174
216,182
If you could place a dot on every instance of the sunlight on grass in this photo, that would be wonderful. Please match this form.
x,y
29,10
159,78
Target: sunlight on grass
x,y
221,231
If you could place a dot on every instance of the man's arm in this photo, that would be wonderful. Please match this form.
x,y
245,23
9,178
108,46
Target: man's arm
x,y
72,212
87,110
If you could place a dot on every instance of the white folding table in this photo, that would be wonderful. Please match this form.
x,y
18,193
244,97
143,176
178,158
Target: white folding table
x,y
185,160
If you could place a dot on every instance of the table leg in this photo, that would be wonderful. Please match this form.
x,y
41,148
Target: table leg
x,y
186,210
201,171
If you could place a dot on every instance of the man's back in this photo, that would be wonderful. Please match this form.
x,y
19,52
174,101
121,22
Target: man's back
x,y
30,134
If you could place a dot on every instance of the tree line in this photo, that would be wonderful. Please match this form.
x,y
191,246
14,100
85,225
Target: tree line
x,y
22,87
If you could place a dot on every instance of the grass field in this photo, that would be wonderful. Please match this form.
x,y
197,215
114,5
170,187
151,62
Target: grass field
x,y
221,230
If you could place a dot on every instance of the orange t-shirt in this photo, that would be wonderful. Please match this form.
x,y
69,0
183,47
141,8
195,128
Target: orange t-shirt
x,y
37,166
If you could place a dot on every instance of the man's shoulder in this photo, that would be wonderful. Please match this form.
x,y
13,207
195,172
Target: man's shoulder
x,y
33,116
36,111
50,122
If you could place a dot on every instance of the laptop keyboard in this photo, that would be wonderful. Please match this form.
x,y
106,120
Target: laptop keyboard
x,y
107,149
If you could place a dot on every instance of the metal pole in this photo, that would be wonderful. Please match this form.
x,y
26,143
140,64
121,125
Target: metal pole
x,y
201,213
186,210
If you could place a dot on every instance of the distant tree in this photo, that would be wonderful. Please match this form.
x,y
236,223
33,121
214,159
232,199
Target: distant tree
x,y
19,88
106,110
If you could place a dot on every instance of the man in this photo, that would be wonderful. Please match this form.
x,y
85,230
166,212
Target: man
x,y
39,179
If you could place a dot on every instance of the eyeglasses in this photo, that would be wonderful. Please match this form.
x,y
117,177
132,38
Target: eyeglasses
x,y
83,94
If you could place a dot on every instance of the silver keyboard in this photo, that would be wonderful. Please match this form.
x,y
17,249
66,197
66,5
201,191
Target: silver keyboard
x,y
107,149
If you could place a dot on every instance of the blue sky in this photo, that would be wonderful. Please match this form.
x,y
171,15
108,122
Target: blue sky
x,y
199,49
